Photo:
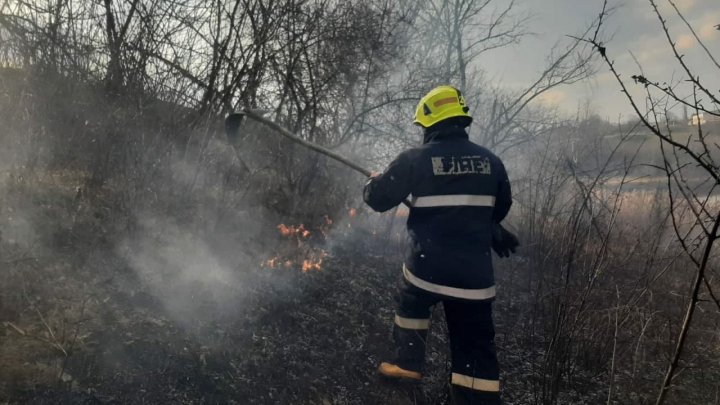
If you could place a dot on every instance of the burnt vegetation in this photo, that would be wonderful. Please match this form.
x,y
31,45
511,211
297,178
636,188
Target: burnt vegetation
x,y
144,259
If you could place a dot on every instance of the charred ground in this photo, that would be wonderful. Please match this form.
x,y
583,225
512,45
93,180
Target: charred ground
x,y
80,326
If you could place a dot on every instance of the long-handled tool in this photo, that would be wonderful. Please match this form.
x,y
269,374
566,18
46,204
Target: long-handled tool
x,y
234,121
504,242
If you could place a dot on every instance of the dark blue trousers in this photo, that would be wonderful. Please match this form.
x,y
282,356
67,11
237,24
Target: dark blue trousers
x,y
475,374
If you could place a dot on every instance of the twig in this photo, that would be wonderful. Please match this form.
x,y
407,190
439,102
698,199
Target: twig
x,y
689,314
614,352
679,58
22,332
18,330
71,346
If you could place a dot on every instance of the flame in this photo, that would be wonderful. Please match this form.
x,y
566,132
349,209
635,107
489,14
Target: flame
x,y
271,263
352,212
402,213
309,265
314,263
293,230
313,256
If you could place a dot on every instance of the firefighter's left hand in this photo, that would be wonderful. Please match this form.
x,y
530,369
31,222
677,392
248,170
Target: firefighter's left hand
x,y
503,241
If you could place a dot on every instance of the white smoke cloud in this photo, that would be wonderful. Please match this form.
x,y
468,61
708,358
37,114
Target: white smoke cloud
x,y
180,270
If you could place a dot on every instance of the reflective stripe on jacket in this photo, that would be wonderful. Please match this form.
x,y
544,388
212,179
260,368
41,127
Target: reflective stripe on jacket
x,y
457,189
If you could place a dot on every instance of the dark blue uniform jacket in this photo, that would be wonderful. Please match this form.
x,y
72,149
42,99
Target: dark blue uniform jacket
x,y
457,189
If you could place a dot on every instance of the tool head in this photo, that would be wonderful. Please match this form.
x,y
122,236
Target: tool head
x,y
232,126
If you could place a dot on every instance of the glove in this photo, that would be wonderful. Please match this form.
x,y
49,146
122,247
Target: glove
x,y
503,241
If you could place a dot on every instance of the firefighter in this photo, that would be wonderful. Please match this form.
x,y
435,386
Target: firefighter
x,y
459,193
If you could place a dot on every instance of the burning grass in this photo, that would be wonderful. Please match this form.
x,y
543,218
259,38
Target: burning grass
x,y
299,250
302,248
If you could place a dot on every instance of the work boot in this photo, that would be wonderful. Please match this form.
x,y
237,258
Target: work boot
x,y
393,371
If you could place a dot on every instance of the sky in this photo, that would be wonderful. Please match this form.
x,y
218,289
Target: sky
x,y
632,29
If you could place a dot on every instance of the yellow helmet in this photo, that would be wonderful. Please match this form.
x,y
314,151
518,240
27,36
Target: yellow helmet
x,y
439,104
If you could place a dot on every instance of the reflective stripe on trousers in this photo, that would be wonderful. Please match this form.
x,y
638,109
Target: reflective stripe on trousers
x,y
475,383
412,323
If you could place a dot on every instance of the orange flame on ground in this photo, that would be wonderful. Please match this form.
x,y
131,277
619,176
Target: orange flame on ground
x,y
314,256
271,263
314,263
293,230
352,212
284,230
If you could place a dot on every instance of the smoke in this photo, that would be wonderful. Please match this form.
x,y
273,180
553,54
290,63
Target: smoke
x,y
178,268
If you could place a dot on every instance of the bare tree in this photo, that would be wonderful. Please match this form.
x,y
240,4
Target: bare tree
x,y
689,163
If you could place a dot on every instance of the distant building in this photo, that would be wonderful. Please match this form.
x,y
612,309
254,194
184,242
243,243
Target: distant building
x,y
697,119
702,119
